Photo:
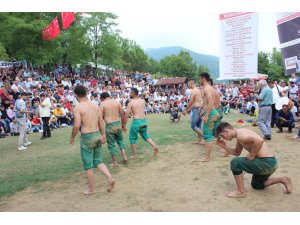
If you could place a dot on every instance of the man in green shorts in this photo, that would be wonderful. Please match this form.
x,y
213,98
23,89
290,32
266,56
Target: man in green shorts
x,y
88,118
260,161
211,115
139,124
112,110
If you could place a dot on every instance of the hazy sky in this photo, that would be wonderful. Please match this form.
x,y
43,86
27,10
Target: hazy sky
x,y
199,33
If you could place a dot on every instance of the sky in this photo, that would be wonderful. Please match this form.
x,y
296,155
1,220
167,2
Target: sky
x,y
199,33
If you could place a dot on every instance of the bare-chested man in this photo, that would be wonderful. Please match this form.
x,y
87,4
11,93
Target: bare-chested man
x,y
260,161
194,108
211,115
88,118
139,124
111,110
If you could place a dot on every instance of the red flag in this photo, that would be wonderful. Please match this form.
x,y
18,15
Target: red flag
x,y
52,31
67,19
55,28
47,33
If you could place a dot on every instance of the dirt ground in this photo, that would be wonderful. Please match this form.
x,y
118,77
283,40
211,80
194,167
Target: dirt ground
x,y
175,181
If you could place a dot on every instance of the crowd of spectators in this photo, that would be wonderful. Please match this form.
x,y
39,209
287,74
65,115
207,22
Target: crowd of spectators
x,y
58,86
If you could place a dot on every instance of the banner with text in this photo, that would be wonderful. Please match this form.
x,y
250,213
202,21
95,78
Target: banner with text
x,y
288,26
5,64
238,45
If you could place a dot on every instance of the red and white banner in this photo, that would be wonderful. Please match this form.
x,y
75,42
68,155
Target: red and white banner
x,y
238,45
67,19
51,31
288,26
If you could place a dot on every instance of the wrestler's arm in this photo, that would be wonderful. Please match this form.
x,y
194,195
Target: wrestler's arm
x,y
101,125
76,126
126,115
191,102
236,151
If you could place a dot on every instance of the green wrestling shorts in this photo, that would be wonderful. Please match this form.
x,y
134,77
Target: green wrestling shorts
x,y
114,134
220,111
138,126
90,149
209,128
261,168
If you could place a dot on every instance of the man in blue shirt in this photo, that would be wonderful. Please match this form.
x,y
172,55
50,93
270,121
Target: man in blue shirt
x,y
285,118
265,109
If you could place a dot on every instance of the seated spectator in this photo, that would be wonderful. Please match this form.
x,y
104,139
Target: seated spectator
x,y
225,106
14,127
36,123
284,118
59,114
4,119
251,106
28,126
53,122
175,112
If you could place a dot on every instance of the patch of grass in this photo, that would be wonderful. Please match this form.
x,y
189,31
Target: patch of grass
x,y
53,159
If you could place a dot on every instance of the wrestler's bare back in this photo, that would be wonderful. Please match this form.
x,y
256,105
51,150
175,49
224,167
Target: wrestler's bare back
x,y
111,110
137,107
89,116
198,97
247,138
209,94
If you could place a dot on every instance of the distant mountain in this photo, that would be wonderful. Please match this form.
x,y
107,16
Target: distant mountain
x,y
212,62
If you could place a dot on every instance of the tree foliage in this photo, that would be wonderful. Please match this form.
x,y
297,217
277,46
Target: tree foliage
x,y
271,64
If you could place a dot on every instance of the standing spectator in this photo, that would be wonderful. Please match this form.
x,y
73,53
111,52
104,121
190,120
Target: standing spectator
x,y
277,93
21,111
44,110
14,127
265,109
293,89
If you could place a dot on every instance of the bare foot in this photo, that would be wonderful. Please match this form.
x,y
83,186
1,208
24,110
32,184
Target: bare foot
x,y
89,192
155,149
236,194
114,165
205,160
288,185
133,157
111,185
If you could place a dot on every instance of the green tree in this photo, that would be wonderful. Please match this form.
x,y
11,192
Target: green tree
x,y
99,24
263,62
276,69
3,54
133,56
180,65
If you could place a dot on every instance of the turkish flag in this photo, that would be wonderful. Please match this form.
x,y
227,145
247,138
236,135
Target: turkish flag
x,y
47,32
67,19
55,28
52,31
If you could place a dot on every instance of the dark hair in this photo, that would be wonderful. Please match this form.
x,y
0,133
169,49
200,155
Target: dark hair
x,y
211,82
222,127
42,95
135,91
205,75
80,90
24,94
285,105
191,79
104,95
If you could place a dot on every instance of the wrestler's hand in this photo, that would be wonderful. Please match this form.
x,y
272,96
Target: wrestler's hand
x,y
124,128
71,140
221,143
250,157
103,139
205,118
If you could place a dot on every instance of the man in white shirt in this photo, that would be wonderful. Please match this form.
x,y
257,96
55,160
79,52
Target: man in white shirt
x,y
293,90
16,87
44,110
71,96
188,93
277,93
